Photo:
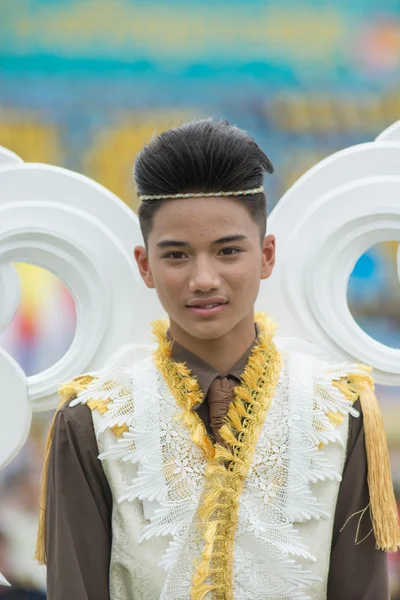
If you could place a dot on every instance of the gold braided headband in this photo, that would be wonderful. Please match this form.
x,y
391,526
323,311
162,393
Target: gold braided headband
x,y
202,194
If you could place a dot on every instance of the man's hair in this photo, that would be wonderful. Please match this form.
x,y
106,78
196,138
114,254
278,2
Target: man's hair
x,y
201,156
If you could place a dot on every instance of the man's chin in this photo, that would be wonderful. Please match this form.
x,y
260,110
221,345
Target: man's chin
x,y
208,330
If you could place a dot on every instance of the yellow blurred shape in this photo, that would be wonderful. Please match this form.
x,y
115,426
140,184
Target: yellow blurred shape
x,y
302,113
391,249
35,283
181,31
110,161
32,140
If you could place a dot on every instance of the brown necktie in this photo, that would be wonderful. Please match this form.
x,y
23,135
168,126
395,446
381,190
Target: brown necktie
x,y
219,397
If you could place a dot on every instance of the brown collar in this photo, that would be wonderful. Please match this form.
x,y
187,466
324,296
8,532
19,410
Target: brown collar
x,y
205,373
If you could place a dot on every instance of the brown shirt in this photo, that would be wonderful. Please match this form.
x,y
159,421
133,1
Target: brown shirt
x,y
79,508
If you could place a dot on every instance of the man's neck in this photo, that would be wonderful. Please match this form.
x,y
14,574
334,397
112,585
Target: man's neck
x,y
221,353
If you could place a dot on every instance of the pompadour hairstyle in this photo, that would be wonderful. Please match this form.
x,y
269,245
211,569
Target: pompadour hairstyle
x,y
201,156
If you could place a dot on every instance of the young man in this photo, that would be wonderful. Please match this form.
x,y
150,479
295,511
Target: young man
x,y
221,473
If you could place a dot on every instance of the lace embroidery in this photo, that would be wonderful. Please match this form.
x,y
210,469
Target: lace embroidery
x,y
269,553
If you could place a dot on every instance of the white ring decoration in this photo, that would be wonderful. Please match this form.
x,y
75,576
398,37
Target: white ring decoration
x,y
82,233
9,294
323,224
9,281
9,158
16,416
391,134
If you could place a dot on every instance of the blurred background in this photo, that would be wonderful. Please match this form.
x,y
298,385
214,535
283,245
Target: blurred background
x,y
85,83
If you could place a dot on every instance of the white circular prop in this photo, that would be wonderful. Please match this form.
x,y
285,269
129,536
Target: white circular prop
x,y
9,282
323,224
15,409
391,134
82,233
9,294
8,158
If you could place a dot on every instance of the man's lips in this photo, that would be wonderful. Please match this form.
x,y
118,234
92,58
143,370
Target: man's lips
x,y
207,302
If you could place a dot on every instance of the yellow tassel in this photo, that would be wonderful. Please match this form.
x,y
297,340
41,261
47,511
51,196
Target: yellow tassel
x,y
40,550
211,497
100,405
206,511
210,531
191,384
335,418
199,592
239,406
119,430
384,513
203,567
223,454
213,469
67,392
234,418
227,435
74,387
209,503
250,378
202,572
199,435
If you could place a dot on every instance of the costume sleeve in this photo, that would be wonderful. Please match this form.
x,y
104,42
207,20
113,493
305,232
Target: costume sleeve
x,y
358,571
78,512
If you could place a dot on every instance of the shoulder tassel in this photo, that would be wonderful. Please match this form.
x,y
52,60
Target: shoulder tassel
x,y
384,515
67,392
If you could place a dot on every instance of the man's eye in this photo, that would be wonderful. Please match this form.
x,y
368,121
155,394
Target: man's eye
x,y
175,255
230,251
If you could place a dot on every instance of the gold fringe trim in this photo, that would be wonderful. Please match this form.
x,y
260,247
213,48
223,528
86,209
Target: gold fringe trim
x,y
183,386
67,392
226,472
228,465
384,515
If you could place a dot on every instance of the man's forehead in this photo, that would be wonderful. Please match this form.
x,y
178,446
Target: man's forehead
x,y
191,221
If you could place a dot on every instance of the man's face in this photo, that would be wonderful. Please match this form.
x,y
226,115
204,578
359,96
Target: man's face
x,y
205,260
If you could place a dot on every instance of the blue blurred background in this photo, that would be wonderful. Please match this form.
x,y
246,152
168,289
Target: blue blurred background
x,y
84,83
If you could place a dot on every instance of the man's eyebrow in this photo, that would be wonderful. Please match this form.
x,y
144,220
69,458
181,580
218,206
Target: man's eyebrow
x,y
224,240
231,238
168,243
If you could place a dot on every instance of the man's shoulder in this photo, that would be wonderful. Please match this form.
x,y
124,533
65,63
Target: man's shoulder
x,y
128,355
117,366
77,417
76,412
309,353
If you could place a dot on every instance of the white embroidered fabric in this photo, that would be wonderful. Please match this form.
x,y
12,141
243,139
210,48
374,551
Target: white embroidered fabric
x,y
278,492
269,551
170,467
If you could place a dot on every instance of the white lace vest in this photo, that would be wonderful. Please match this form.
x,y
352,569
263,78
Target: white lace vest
x,y
283,539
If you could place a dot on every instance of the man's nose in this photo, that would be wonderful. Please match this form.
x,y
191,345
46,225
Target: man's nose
x,y
205,276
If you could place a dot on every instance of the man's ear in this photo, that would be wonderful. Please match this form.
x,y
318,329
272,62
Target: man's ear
x,y
268,256
142,259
